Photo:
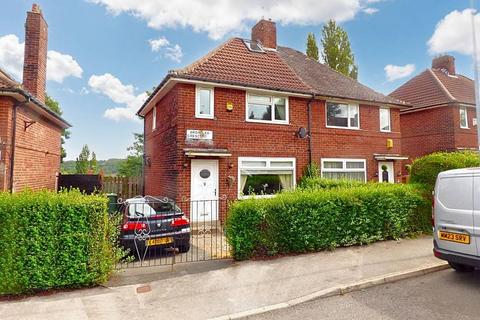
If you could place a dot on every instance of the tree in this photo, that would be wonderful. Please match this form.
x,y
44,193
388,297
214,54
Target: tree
x,y
93,163
82,163
53,105
312,48
133,165
337,52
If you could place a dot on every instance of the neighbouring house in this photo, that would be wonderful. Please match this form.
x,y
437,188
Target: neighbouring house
x,y
441,115
30,133
249,116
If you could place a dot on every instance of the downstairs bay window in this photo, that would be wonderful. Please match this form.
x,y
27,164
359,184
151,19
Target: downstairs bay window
x,y
265,176
349,169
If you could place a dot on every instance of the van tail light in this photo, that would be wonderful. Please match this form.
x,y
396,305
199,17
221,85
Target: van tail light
x,y
179,222
130,226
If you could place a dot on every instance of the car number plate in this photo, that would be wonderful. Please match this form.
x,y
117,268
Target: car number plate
x,y
454,237
159,241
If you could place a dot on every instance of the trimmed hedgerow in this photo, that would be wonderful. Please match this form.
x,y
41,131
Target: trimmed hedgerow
x,y
425,170
322,183
311,220
55,240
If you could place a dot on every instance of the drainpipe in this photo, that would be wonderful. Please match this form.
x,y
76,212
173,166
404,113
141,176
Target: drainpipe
x,y
144,158
309,109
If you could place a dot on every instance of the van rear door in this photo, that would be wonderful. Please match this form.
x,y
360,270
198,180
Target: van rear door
x,y
454,223
476,207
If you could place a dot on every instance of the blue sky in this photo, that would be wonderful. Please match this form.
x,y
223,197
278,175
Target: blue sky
x,y
105,58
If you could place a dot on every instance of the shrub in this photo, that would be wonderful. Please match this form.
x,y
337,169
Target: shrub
x,y
311,220
425,170
321,183
55,240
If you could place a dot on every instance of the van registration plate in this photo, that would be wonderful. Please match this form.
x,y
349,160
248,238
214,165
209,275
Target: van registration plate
x,y
159,241
454,237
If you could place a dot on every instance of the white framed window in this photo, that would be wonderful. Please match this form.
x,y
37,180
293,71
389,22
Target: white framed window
x,y
204,103
342,115
463,118
264,177
350,169
385,120
266,109
154,118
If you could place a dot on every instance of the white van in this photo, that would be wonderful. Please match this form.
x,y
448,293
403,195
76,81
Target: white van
x,y
456,218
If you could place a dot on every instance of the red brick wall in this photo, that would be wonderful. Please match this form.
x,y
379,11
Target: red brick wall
x,y
465,138
161,148
37,152
170,169
5,140
436,129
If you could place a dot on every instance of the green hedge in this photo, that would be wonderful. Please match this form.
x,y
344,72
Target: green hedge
x,y
311,220
321,183
425,170
55,240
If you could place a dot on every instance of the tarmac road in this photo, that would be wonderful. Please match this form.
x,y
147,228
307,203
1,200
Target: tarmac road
x,y
442,295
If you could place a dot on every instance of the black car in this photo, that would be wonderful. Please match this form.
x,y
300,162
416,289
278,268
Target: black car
x,y
152,225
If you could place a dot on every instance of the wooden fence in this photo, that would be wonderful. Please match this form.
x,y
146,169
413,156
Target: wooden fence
x,y
124,187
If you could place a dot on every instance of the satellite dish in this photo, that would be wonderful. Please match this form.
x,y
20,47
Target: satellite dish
x,y
302,133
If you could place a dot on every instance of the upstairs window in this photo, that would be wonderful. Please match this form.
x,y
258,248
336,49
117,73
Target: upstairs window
x,y
267,109
385,124
341,115
154,118
463,118
204,103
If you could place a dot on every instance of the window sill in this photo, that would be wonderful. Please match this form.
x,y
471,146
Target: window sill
x,y
267,122
345,128
386,131
205,117
466,128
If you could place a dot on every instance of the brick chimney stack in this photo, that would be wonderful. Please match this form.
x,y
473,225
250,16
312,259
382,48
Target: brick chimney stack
x,y
265,31
444,62
35,60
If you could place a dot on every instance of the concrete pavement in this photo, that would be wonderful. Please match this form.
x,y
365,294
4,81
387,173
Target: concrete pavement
x,y
238,288
442,295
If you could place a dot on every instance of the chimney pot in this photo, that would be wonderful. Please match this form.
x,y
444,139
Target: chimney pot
x,y
445,62
265,32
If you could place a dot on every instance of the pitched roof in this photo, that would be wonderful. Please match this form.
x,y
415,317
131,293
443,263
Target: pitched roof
x,y
434,87
283,69
327,82
9,86
233,63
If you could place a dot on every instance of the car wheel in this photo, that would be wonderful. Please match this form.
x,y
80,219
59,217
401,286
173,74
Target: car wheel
x,y
183,249
460,267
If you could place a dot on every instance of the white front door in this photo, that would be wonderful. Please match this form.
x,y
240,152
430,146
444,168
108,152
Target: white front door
x,y
204,190
387,175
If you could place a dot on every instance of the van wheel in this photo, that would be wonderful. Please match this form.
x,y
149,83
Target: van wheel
x,y
183,249
461,267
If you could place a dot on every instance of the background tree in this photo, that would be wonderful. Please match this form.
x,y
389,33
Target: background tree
x,y
312,48
93,163
82,163
337,52
53,105
133,165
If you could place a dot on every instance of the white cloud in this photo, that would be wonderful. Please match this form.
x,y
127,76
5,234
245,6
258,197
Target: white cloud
x,y
59,65
393,72
113,88
159,43
11,55
162,44
454,33
370,11
222,17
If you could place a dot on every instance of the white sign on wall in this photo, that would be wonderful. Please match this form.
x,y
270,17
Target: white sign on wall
x,y
474,121
199,135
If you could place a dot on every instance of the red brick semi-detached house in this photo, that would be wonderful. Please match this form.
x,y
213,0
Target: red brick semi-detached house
x,y
238,122
442,112
30,133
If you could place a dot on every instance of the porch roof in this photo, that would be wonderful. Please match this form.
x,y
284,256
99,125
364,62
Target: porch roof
x,y
378,156
206,152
